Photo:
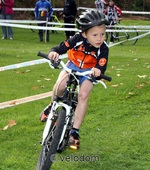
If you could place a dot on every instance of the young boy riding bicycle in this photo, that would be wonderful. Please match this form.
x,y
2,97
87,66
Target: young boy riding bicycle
x,y
86,50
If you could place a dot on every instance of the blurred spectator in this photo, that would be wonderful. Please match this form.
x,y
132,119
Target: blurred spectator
x,y
6,12
113,13
43,12
100,5
69,14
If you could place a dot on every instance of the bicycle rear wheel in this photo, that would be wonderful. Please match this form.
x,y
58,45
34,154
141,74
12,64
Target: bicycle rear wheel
x,y
128,38
50,145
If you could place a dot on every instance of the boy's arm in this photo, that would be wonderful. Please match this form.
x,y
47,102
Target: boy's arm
x,y
102,60
63,47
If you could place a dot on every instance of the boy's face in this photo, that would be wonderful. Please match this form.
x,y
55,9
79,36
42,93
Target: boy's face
x,y
111,3
95,35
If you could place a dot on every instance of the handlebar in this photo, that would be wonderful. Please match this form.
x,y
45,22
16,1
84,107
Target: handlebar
x,y
56,65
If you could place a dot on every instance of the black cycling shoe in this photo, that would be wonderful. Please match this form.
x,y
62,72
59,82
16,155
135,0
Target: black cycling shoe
x,y
74,142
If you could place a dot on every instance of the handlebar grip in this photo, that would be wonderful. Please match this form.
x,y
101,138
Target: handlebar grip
x,y
108,78
42,55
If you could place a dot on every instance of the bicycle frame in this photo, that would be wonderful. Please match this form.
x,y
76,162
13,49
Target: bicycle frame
x,y
126,35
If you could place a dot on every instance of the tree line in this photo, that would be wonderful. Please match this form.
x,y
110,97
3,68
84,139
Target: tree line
x,y
134,5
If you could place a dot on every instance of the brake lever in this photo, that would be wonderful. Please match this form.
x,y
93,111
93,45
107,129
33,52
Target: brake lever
x,y
55,64
93,79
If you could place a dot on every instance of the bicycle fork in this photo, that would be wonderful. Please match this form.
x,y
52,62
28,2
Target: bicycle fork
x,y
55,106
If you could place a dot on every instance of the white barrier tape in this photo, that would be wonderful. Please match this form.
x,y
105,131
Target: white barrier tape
x,y
60,29
37,27
28,63
136,12
109,30
33,9
59,23
134,38
24,9
8,22
34,22
22,21
138,26
124,12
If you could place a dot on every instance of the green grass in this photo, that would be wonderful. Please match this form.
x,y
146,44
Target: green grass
x,y
117,124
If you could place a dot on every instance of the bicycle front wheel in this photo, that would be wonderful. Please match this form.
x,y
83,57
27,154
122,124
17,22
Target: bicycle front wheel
x,y
132,38
127,37
49,148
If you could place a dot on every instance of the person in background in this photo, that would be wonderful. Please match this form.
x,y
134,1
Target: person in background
x,y
6,12
100,5
69,14
86,50
113,13
43,12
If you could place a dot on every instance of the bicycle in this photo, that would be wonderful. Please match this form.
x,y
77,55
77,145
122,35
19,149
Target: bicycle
x,y
123,36
60,119
57,23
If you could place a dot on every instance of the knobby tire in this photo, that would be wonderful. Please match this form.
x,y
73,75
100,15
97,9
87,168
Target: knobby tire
x,y
54,143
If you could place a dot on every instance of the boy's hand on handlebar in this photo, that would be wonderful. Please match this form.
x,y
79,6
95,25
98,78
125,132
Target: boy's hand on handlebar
x,y
96,72
53,56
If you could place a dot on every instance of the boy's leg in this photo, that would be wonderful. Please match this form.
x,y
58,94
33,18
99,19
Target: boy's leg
x,y
82,105
46,111
60,84
80,111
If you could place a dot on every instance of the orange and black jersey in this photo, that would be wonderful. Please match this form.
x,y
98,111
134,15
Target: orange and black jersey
x,y
83,54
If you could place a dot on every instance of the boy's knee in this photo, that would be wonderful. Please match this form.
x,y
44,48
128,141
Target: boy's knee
x,y
83,96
